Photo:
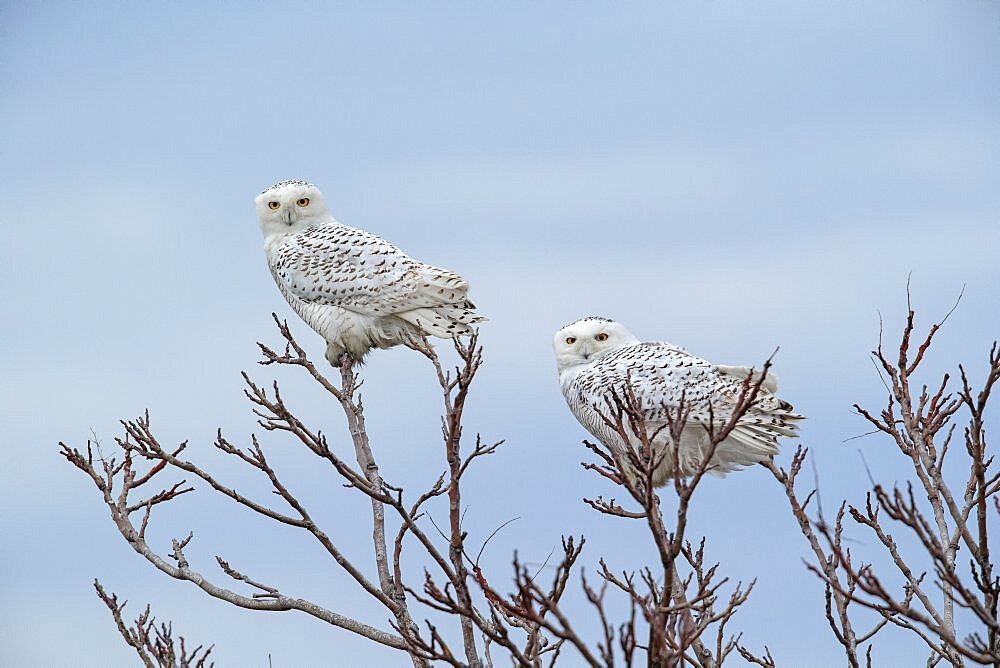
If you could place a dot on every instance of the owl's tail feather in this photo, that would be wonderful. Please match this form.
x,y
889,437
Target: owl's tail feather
x,y
442,321
751,442
755,439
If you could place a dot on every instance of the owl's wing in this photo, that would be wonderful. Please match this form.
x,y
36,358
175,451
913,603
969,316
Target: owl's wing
x,y
662,376
342,266
770,382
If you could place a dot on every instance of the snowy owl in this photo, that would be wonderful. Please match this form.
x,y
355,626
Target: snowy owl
x,y
597,355
355,289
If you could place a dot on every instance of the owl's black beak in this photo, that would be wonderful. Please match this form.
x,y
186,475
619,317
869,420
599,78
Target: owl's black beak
x,y
288,216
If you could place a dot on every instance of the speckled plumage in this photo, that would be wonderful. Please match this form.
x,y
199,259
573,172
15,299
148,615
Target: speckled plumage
x,y
661,374
355,289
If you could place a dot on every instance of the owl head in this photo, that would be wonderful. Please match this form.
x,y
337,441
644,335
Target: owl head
x,y
588,340
290,206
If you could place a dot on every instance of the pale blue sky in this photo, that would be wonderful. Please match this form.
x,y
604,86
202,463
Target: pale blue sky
x,y
730,177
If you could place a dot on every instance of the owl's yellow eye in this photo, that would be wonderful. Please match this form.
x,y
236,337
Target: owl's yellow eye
x,y
601,337
570,339
274,206
304,201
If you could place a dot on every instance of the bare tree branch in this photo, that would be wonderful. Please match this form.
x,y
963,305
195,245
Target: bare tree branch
x,y
920,424
154,644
